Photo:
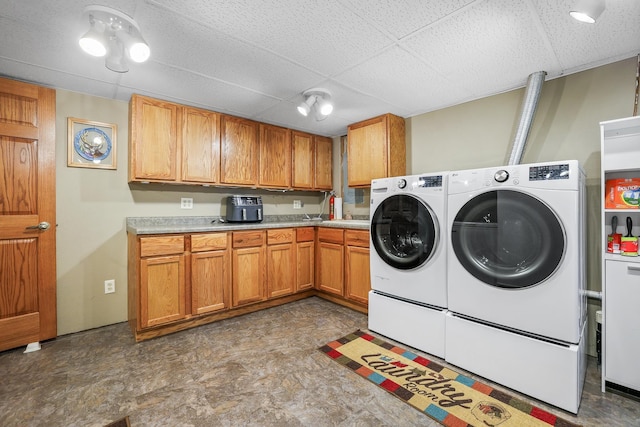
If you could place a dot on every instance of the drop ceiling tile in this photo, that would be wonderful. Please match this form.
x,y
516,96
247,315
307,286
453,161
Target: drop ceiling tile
x,y
490,47
57,79
224,58
401,18
397,78
321,36
164,82
615,36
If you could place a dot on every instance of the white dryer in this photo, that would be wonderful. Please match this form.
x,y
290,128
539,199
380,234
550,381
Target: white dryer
x,y
516,278
408,260
517,247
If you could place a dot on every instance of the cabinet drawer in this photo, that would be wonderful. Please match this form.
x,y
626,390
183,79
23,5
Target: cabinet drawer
x,y
247,239
304,234
334,235
279,235
161,245
357,238
208,242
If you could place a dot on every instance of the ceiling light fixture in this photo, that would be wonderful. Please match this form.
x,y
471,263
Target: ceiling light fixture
x,y
318,100
115,35
587,10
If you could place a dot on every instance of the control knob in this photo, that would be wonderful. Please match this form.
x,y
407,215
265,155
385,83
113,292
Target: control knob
x,y
402,183
501,175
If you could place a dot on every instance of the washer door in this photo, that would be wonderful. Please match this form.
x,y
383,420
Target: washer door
x,y
404,231
508,239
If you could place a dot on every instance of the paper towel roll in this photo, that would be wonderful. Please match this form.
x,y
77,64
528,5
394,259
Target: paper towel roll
x,y
337,208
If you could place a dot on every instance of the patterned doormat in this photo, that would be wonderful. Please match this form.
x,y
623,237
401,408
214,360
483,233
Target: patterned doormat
x,y
452,399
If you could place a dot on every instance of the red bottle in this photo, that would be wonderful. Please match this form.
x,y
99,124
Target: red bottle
x,y
332,202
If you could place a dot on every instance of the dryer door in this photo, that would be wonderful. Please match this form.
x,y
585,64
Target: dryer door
x,y
404,231
508,239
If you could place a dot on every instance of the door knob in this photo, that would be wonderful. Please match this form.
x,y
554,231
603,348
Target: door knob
x,y
44,225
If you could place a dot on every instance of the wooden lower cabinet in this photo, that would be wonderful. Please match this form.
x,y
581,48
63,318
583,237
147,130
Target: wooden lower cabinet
x,y
162,280
210,273
281,262
358,275
249,268
305,258
330,261
180,281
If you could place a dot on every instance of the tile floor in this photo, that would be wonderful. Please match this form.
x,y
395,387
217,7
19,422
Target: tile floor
x,y
260,369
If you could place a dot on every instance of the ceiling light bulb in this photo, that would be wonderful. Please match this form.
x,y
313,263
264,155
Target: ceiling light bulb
x,y
305,107
325,107
139,52
587,10
93,42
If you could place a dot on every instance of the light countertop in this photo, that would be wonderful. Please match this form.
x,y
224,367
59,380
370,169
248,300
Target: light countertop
x,y
169,225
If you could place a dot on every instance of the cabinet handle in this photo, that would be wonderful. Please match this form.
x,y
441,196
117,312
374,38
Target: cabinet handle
x,y
633,267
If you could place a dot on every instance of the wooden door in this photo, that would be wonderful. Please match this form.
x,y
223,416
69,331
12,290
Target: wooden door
x,y
27,199
200,145
302,162
275,157
239,152
281,273
323,178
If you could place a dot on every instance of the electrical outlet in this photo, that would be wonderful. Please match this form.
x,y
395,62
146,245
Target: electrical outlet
x,y
109,286
297,204
186,203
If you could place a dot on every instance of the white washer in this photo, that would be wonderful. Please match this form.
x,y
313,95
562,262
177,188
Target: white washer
x,y
517,247
516,278
408,260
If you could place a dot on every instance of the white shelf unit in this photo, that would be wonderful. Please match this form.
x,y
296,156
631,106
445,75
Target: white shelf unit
x,y
620,157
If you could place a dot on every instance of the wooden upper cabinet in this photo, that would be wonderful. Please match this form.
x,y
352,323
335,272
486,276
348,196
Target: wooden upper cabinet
x,y
376,148
239,151
275,157
312,161
200,146
323,176
303,160
153,144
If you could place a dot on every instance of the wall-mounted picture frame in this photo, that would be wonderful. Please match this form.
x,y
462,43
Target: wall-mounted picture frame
x,y
91,144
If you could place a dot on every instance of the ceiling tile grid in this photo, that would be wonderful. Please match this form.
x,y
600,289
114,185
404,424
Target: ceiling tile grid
x,y
255,58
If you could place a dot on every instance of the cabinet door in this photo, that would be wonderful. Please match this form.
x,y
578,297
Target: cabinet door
x,y
239,152
358,282
162,290
367,151
376,148
622,323
323,161
153,139
305,266
281,273
330,267
249,267
200,144
210,281
303,160
275,157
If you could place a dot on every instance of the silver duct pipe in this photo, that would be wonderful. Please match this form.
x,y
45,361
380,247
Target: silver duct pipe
x,y
527,112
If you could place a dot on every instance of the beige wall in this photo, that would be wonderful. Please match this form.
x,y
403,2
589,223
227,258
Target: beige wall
x,y
566,126
92,206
